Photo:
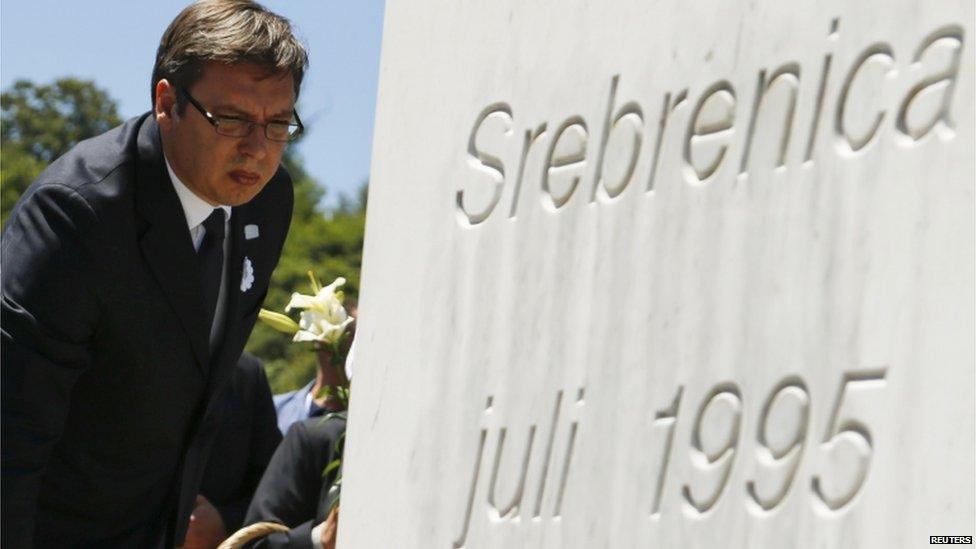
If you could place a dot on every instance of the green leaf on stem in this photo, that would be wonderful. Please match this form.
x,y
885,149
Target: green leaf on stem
x,y
332,466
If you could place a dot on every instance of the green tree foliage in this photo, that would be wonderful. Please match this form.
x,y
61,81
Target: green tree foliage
x,y
39,123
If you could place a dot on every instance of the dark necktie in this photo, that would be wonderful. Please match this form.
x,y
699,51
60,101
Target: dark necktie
x,y
211,254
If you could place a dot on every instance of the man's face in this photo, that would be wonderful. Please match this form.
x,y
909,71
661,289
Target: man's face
x,y
217,168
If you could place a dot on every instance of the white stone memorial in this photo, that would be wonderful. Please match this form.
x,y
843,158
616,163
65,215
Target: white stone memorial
x,y
690,273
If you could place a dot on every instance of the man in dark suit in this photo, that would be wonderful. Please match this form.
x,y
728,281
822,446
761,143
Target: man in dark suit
x,y
244,443
133,271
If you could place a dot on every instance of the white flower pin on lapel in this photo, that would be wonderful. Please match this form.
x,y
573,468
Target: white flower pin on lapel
x,y
248,277
251,232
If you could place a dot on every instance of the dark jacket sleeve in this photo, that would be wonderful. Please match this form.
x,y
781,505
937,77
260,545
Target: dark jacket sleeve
x,y
290,490
264,439
48,314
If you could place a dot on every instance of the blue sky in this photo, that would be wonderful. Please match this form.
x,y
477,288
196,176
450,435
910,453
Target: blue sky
x,y
114,44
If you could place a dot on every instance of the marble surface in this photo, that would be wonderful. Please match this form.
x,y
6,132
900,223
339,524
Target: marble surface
x,y
668,274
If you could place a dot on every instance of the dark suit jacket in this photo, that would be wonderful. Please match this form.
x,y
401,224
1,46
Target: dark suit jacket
x,y
246,439
292,490
108,383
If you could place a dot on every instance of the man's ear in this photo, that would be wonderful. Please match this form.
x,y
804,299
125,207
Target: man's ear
x,y
165,107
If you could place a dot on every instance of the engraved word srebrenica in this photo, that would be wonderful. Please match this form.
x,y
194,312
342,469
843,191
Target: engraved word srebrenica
x,y
713,129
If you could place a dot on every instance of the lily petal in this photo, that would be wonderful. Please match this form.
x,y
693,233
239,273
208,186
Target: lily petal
x,y
300,301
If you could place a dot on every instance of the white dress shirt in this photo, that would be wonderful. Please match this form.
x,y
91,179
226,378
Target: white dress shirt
x,y
197,210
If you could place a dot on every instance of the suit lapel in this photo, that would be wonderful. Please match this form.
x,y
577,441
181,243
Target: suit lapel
x,y
166,242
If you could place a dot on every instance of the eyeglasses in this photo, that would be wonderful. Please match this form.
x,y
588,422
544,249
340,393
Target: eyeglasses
x,y
236,127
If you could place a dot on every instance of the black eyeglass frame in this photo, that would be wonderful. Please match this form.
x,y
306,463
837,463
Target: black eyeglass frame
x,y
215,122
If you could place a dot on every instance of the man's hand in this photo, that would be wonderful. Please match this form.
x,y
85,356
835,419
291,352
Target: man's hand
x,y
331,530
206,529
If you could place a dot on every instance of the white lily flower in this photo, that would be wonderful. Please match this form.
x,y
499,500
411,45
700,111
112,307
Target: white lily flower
x,y
323,301
324,318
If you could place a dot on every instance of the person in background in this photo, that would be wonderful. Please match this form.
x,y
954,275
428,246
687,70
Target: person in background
x,y
302,403
294,491
243,445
